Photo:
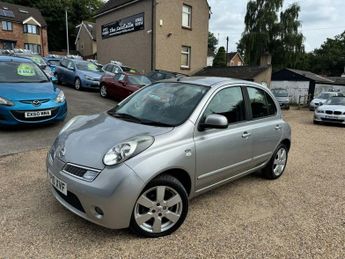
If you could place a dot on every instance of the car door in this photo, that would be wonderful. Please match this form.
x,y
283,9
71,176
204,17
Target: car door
x,y
266,124
62,71
223,153
115,88
70,72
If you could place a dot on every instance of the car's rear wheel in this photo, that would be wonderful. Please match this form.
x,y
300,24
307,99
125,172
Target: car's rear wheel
x,y
276,167
161,208
77,84
103,91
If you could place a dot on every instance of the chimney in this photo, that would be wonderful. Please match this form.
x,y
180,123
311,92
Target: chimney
x,y
266,59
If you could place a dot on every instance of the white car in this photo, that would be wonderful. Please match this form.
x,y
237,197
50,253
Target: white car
x,y
321,99
333,111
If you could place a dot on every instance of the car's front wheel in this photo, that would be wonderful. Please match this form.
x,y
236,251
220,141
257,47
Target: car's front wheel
x,y
161,208
77,84
103,91
276,167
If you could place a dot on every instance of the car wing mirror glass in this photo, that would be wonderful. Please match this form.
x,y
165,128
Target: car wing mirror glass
x,y
214,121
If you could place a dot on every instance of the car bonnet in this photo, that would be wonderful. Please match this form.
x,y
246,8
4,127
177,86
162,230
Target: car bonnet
x,y
91,137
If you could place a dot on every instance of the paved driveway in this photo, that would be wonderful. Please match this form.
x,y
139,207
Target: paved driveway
x,y
300,215
29,138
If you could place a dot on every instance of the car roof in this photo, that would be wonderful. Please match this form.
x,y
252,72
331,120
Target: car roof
x,y
211,81
15,59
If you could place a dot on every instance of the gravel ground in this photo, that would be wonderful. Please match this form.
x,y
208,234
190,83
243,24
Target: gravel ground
x,y
301,215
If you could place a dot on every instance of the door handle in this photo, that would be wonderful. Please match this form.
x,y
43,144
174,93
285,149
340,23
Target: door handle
x,y
246,135
278,127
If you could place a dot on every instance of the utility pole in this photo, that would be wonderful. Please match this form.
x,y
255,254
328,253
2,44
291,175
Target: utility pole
x,y
227,44
67,39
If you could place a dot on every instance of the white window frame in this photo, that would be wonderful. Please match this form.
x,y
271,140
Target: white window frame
x,y
35,48
6,27
188,53
187,12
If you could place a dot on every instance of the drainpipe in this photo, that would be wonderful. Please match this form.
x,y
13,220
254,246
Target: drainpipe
x,y
153,18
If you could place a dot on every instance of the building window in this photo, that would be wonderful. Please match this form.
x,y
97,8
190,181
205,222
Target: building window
x,y
35,48
187,16
7,26
185,57
8,44
32,29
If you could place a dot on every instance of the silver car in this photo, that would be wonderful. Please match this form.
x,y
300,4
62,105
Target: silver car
x,y
140,163
282,97
322,98
333,111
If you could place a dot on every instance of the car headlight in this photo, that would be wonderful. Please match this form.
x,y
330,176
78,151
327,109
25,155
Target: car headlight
x,y
4,101
69,123
126,150
89,78
61,97
320,111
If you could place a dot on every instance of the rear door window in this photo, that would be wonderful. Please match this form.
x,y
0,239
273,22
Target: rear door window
x,y
261,103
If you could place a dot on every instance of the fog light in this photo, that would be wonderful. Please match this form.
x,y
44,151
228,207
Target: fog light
x,y
99,211
90,176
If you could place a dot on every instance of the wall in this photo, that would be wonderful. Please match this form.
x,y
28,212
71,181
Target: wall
x,y
133,49
44,44
168,48
235,61
264,77
15,35
324,88
85,45
295,88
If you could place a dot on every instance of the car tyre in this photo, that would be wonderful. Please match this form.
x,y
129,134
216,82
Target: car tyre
x,y
103,91
160,209
316,122
58,79
77,84
277,165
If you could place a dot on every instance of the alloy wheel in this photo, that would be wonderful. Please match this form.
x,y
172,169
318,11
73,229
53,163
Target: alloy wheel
x,y
77,84
103,91
279,162
158,209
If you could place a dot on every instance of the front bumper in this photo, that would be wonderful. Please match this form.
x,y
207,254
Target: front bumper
x,y
114,191
321,117
14,115
90,84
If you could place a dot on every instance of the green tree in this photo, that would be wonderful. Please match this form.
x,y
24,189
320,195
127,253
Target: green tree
x,y
270,29
54,14
212,42
220,58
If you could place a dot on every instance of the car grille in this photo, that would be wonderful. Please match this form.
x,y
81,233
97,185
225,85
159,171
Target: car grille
x,y
32,101
332,120
71,199
77,171
334,112
20,115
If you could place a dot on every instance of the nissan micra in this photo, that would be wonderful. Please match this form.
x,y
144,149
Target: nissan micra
x,y
138,164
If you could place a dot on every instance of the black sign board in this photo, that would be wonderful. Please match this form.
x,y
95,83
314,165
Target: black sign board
x,y
125,25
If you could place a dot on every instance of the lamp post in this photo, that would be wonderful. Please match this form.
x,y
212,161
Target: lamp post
x,y
67,39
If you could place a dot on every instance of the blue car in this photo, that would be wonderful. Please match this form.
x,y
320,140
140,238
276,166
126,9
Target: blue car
x,y
27,95
52,62
81,74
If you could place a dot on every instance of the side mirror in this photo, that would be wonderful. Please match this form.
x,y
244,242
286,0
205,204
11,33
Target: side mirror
x,y
214,121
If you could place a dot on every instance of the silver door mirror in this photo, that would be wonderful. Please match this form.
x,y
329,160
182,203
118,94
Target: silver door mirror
x,y
214,121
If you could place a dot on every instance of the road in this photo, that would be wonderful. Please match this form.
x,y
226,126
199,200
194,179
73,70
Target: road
x,y
300,215
30,138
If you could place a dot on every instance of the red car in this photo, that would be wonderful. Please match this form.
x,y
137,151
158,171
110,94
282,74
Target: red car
x,y
121,85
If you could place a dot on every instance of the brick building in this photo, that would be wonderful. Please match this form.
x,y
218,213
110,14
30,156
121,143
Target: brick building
x,y
22,27
154,34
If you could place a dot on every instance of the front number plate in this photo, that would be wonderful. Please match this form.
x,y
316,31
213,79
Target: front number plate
x,y
58,184
36,114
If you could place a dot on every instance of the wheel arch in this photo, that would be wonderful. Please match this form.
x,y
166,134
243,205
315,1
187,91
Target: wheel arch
x,y
287,143
181,175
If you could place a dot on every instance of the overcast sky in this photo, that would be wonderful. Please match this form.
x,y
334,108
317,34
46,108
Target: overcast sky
x,y
321,19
